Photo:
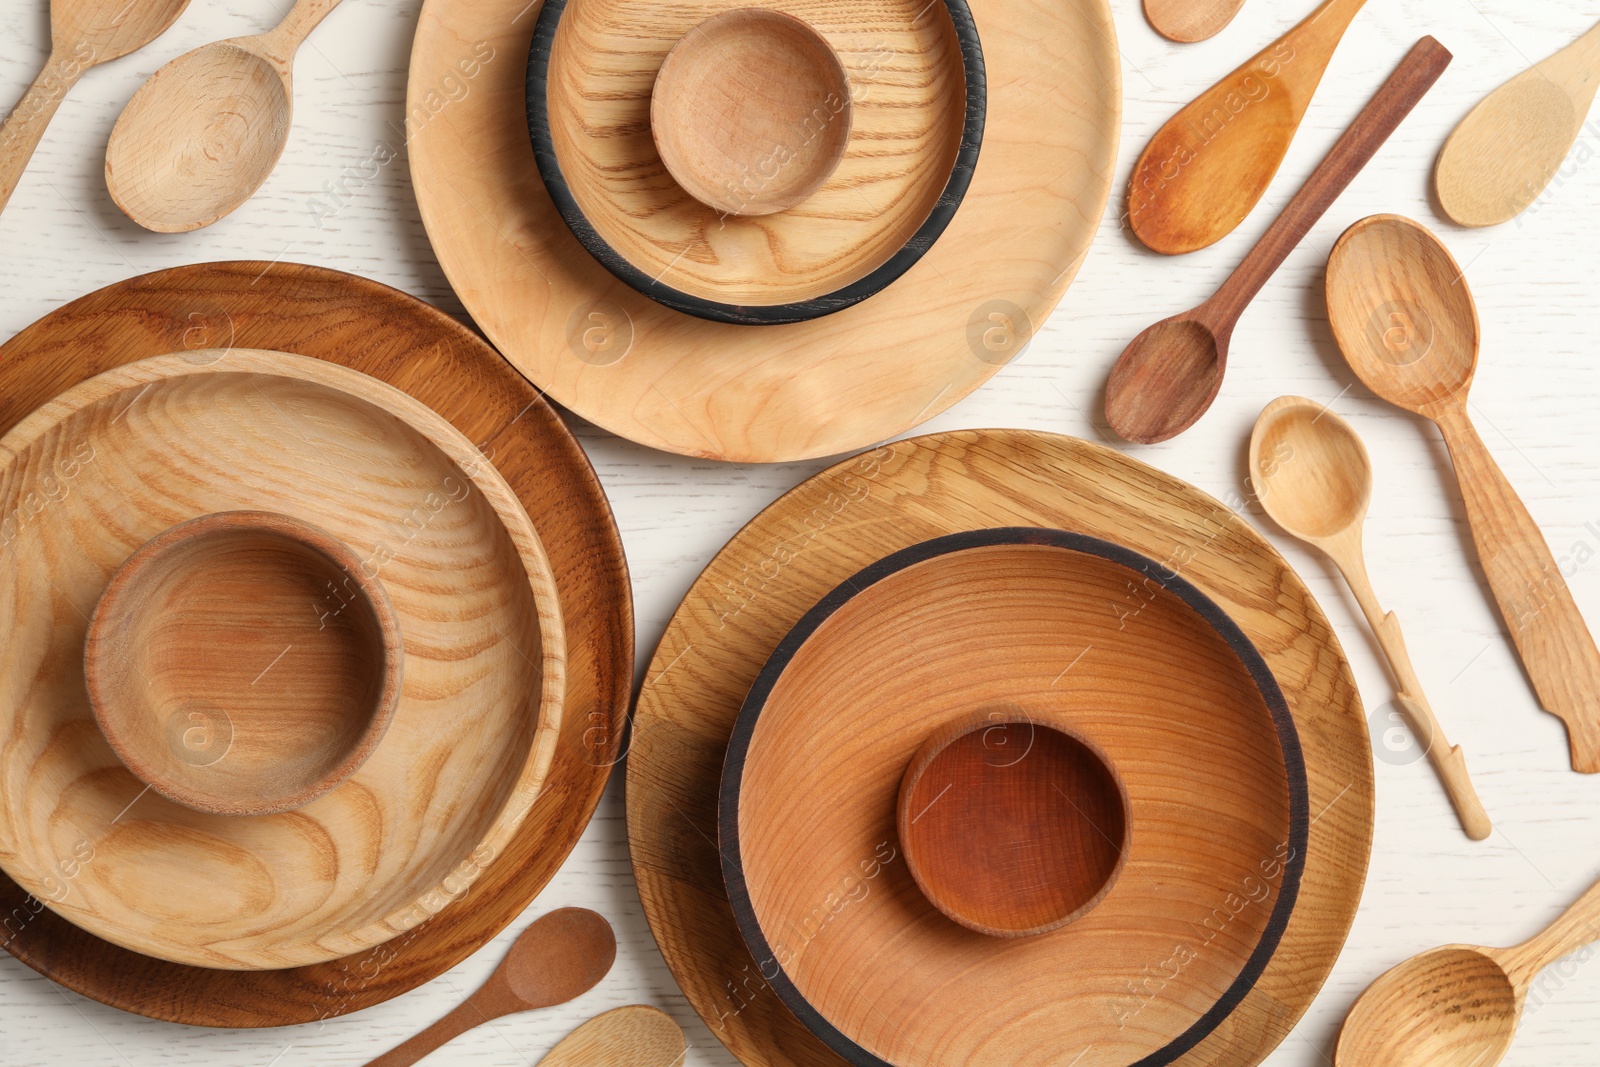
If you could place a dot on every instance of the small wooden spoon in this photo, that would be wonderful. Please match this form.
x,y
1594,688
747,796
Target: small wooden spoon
x,y
1458,1006
1188,21
562,955
1206,169
1169,375
83,34
1507,149
202,135
634,1036
1403,317
1314,477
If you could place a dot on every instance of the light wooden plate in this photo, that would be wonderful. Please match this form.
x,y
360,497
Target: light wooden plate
x,y
816,388
107,465
832,526
344,319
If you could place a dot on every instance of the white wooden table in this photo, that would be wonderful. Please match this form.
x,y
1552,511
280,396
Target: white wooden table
x,y
1537,400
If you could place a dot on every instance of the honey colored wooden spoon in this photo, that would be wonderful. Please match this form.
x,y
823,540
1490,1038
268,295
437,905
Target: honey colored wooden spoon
x,y
83,34
1314,477
1187,21
1506,151
199,138
1403,317
562,955
1206,169
634,1036
1458,1006
1169,375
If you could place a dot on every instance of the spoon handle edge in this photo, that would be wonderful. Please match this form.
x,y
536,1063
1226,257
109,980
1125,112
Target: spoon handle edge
x,y
25,124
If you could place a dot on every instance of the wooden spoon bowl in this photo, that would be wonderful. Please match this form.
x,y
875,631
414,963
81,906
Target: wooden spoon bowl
x,y
174,654
737,85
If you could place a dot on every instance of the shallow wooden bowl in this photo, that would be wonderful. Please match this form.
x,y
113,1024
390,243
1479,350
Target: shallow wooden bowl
x,y
172,662
1201,766
894,155
106,465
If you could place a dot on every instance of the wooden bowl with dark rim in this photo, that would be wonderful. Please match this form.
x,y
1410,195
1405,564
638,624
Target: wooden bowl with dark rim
x,y
872,124
1160,713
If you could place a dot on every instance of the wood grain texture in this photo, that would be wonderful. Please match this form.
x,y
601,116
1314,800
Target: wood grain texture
x,y
343,319
1207,168
1405,320
1504,154
632,1036
1188,21
183,628
781,564
819,388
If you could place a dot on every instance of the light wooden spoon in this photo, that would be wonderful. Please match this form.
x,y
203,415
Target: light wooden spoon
x,y
1207,168
199,138
83,34
634,1036
1188,21
1506,151
1403,317
562,955
1314,477
1458,1006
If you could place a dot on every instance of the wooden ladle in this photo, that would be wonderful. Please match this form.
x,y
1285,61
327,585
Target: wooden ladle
x,y
634,1036
1314,477
562,955
1403,317
202,135
1169,375
1506,151
1207,168
1187,21
83,34
1458,1006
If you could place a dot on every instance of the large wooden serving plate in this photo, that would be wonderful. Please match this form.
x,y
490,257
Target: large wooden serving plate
x,y
783,392
369,327
834,525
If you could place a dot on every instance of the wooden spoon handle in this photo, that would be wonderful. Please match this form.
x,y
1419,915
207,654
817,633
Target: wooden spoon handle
x,y
1578,926
462,1018
284,40
1356,146
1555,645
22,129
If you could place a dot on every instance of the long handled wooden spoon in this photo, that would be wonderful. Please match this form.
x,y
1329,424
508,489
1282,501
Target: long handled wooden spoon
x,y
1407,325
562,955
83,34
634,1036
1169,375
1314,477
1506,151
1458,1006
199,138
1206,169
1187,21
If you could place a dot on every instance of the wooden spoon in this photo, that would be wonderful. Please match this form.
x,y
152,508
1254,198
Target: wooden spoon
x,y
1458,1006
1314,477
1507,149
1188,21
562,955
1407,325
1169,375
83,34
199,138
1206,169
634,1036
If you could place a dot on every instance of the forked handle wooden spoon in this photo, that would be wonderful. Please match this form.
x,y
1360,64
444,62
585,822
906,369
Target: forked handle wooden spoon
x,y
1188,21
83,34
1506,151
1406,323
1458,1005
1207,168
562,955
202,135
1169,375
1313,475
634,1036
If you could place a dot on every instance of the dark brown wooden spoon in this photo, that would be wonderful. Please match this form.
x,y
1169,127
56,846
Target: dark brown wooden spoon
x,y
1170,374
562,955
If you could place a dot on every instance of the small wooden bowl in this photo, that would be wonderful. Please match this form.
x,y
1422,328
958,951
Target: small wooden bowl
x,y
735,86
1012,826
244,663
